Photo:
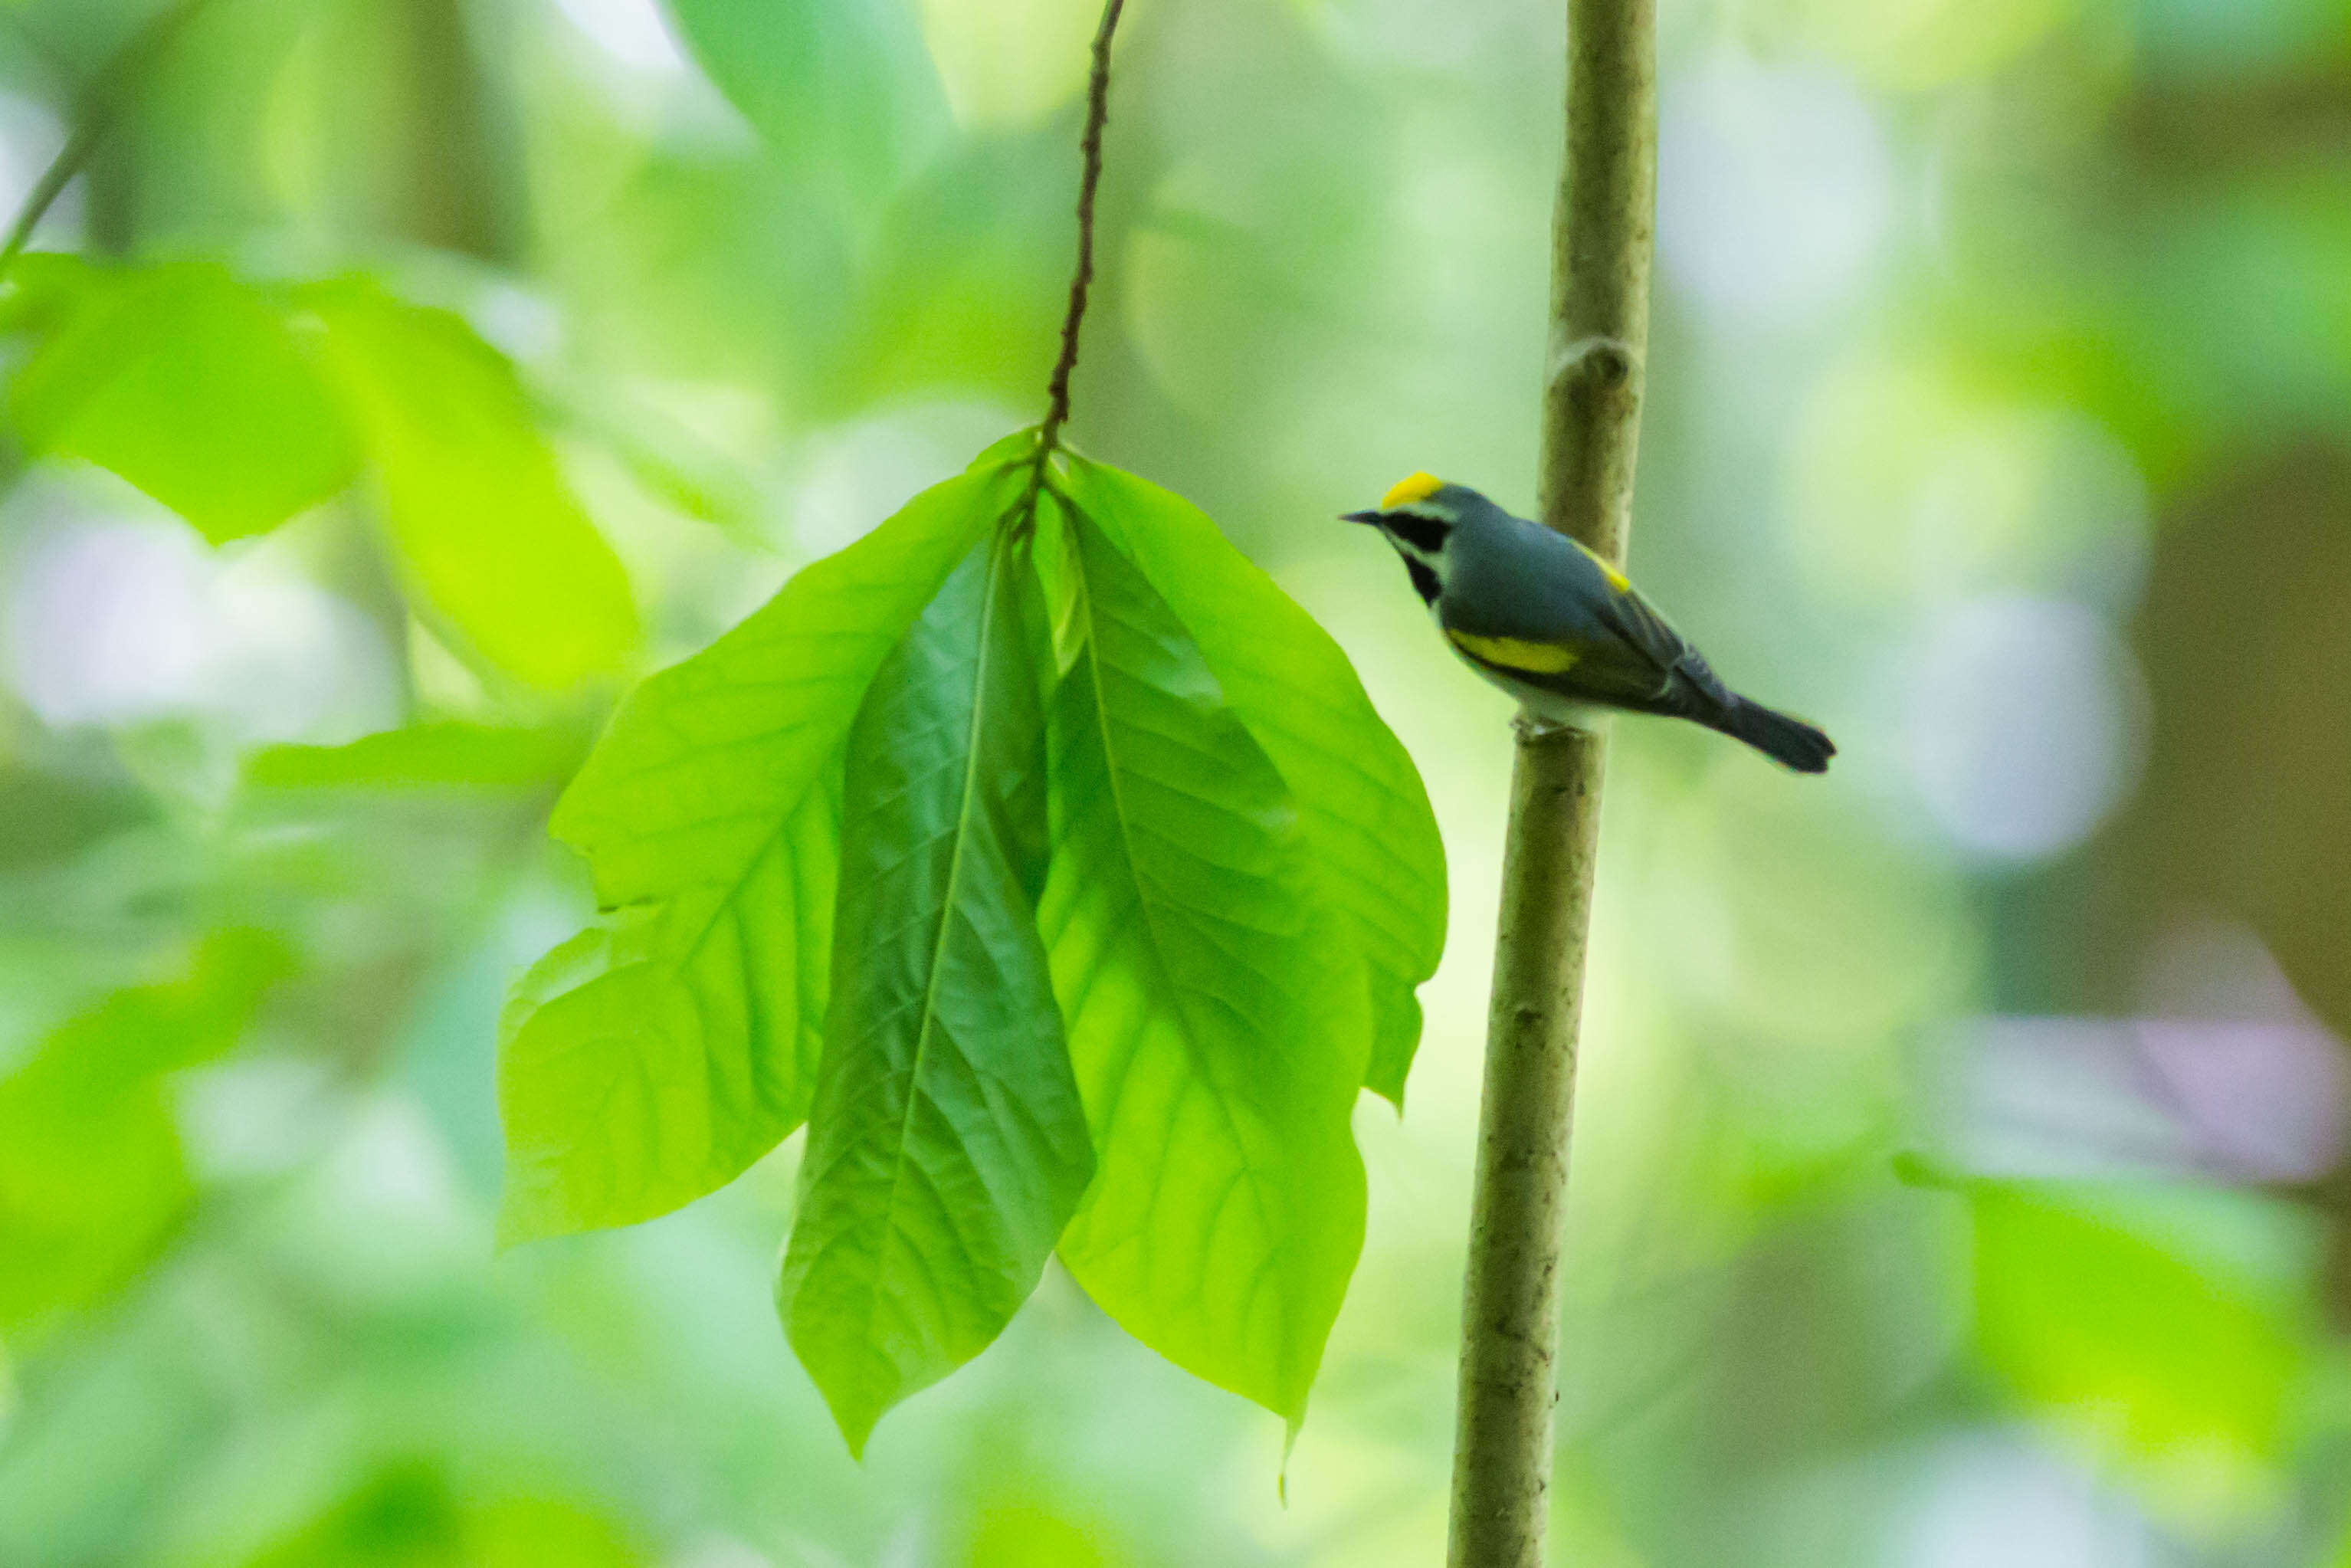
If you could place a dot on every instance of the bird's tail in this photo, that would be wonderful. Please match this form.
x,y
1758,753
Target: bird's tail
x,y
1789,741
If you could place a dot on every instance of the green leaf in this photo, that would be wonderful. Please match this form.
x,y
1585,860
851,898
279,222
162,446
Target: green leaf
x,y
91,1179
948,1147
844,89
441,756
2143,1312
488,533
41,290
406,1513
1372,836
649,1063
1218,1045
182,380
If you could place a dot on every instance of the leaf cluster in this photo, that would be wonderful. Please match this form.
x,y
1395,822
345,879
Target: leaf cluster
x,y
1051,864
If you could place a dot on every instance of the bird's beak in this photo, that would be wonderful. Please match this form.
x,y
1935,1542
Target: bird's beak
x,y
1359,516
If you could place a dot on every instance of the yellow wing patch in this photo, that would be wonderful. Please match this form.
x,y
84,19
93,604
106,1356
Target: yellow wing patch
x,y
1413,487
1616,579
1516,652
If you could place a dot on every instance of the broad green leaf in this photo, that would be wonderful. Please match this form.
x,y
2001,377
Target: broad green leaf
x,y
1218,1045
91,1181
648,1061
441,756
182,380
2141,1313
484,527
1370,833
651,1062
702,758
844,88
946,1147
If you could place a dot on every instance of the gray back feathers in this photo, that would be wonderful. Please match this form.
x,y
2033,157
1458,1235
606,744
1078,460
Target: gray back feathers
x,y
1506,576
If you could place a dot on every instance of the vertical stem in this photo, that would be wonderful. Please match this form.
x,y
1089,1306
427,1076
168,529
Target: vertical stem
x,y
1600,241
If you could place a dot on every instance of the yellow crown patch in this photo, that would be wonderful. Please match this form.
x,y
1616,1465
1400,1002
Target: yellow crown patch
x,y
1416,487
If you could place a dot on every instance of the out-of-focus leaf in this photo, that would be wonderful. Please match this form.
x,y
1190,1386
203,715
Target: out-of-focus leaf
x,y
47,817
1370,832
42,287
2112,1306
641,269
1029,1537
649,1063
527,1532
1008,65
442,756
408,1515
482,520
90,1173
947,1146
845,88
1217,1044
403,1516
182,381
971,265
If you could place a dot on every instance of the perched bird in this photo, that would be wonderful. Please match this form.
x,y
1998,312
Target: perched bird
x,y
1559,627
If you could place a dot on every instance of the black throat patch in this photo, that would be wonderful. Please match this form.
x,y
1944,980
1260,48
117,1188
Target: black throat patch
x,y
1424,578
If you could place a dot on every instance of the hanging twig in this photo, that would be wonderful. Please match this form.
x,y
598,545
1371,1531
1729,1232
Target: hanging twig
x,y
1592,408
1057,391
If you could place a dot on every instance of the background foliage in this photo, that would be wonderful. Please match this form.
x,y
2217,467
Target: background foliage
x,y
1957,1174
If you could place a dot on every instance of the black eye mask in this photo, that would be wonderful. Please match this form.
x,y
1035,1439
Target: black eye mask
x,y
1426,535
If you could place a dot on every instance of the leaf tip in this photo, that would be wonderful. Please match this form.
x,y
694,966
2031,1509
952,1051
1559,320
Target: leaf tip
x,y
854,1418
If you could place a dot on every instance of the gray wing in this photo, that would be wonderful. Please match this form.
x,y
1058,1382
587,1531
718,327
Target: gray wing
x,y
1551,592
1689,682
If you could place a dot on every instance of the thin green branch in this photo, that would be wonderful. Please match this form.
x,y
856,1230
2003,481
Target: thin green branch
x,y
100,108
1601,245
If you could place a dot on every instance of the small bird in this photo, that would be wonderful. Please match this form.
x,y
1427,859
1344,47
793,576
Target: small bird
x,y
1560,629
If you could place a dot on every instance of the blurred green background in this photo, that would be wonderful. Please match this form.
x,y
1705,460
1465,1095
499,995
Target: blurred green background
x,y
1958,1180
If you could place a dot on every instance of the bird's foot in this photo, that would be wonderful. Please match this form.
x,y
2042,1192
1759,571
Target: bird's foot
x,y
1533,728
